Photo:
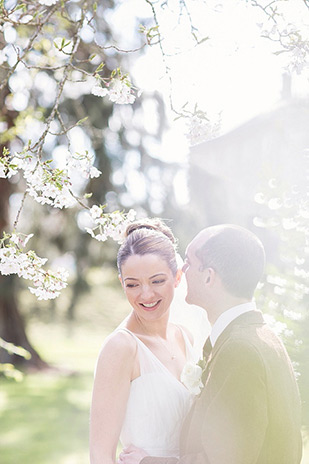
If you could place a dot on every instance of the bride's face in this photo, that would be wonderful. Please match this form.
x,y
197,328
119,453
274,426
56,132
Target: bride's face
x,y
149,285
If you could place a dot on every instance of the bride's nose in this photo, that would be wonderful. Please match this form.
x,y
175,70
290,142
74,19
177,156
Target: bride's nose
x,y
146,292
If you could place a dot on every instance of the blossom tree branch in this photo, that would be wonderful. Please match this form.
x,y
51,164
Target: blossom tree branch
x,y
54,186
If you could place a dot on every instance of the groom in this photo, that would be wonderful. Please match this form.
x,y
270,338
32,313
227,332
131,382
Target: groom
x,y
249,409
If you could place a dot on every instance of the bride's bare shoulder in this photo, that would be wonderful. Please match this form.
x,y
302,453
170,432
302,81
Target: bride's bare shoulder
x,y
116,360
118,345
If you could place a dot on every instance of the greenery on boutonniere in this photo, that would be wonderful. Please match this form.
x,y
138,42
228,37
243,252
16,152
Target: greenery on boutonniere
x,y
202,363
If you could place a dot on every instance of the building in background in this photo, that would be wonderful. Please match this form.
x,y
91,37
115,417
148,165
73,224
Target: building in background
x,y
227,172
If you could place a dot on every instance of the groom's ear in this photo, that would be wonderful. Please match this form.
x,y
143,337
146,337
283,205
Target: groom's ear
x,y
210,276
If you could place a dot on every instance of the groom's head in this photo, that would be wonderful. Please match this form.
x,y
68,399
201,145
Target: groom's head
x,y
223,259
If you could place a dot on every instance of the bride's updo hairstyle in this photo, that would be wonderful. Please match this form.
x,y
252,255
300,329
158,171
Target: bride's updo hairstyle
x,y
149,236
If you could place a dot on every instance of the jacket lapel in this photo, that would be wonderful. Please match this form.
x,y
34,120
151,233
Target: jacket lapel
x,y
246,319
188,438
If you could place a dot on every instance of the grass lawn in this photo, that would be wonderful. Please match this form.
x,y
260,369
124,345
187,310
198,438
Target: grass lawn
x,y
44,419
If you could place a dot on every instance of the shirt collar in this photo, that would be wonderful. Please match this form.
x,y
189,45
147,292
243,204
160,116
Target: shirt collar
x,y
227,317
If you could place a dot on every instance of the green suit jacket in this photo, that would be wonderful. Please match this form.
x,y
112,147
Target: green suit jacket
x,y
249,410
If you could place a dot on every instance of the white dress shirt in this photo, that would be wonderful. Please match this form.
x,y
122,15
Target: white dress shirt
x,y
227,317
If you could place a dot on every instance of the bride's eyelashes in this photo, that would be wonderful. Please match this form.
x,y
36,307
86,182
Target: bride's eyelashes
x,y
155,282
161,281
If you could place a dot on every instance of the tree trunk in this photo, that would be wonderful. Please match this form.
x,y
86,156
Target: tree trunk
x,y
12,327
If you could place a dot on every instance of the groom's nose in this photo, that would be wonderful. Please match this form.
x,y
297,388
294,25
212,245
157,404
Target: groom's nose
x,y
184,267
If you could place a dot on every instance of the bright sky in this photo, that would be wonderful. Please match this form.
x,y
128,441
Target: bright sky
x,y
235,72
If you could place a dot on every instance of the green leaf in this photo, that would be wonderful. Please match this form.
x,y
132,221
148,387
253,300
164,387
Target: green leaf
x,y
11,348
21,6
100,67
203,40
81,121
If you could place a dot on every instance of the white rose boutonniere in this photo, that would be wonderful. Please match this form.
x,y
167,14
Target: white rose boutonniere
x,y
191,377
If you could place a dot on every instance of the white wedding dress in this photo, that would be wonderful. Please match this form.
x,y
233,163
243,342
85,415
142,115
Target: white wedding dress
x,y
157,405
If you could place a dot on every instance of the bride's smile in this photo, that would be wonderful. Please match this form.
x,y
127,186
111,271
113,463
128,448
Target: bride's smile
x,y
149,284
151,306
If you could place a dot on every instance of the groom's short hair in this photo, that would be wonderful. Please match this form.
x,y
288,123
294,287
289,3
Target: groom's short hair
x,y
237,255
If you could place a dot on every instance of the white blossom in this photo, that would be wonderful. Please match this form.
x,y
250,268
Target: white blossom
x,y
7,169
11,172
201,129
280,328
21,162
116,218
99,91
289,223
21,239
107,225
299,53
101,237
90,231
43,294
260,198
131,215
301,273
276,280
274,203
9,266
2,171
48,2
94,172
13,260
95,212
119,90
49,186
83,164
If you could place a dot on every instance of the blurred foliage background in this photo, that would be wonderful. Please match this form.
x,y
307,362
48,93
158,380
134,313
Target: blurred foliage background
x,y
256,175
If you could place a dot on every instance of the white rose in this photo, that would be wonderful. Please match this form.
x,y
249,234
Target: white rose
x,y
191,377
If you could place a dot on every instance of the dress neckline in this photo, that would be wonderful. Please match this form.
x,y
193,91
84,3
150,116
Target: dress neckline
x,y
156,358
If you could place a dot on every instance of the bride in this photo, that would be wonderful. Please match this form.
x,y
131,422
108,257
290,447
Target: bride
x,y
138,395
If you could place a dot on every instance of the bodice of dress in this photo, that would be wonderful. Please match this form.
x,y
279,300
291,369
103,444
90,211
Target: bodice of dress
x,y
157,405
